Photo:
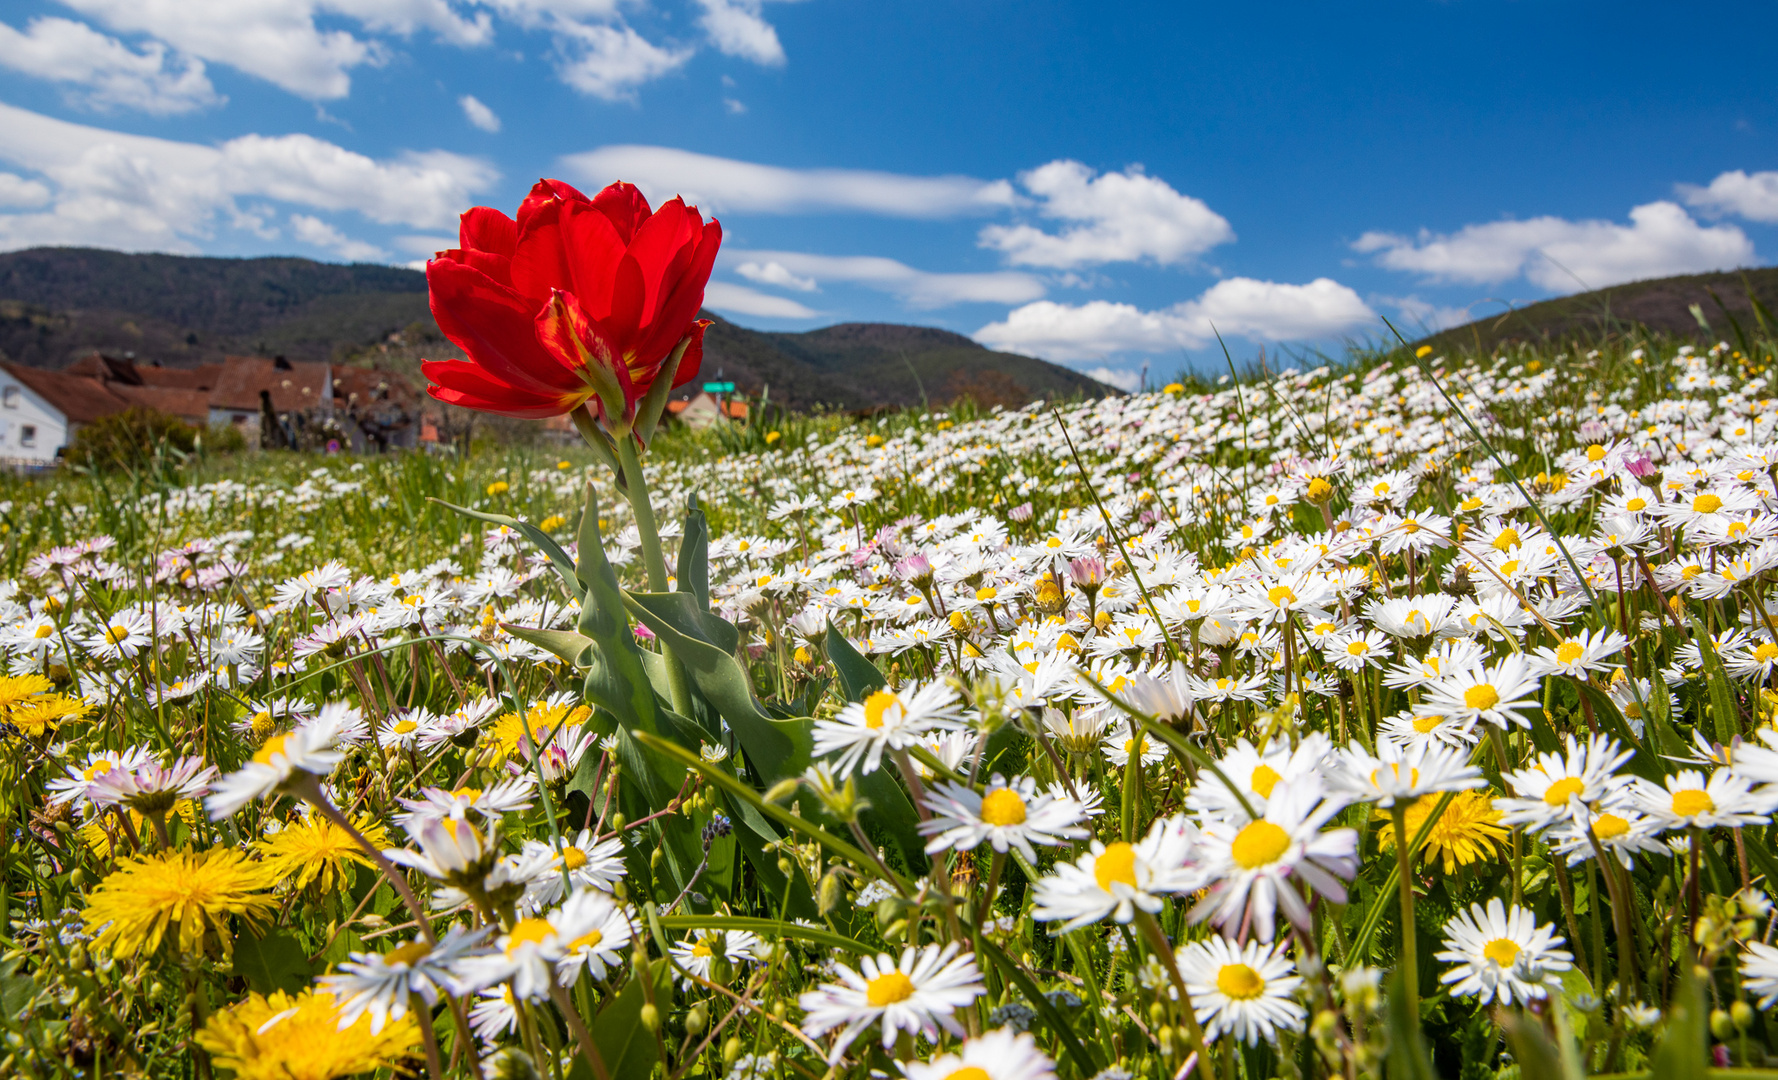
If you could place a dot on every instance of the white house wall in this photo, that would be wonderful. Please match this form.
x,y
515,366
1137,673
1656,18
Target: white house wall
x,y
28,410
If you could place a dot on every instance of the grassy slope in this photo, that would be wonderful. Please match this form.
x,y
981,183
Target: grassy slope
x,y
1660,305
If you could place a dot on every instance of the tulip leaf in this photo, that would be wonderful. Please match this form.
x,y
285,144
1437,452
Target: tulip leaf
x,y
616,680
693,570
557,557
567,644
653,403
705,645
858,676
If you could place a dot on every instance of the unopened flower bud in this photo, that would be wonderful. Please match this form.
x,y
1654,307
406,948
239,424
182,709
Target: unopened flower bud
x,y
696,1019
651,1018
1720,1025
731,1051
1741,1014
827,894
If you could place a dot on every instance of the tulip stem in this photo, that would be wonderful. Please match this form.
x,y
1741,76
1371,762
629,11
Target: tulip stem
x,y
636,489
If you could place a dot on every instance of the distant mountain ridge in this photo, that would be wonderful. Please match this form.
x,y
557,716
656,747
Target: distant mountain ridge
x,y
57,304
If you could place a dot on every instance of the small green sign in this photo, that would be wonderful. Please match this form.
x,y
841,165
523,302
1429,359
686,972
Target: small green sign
x,y
719,388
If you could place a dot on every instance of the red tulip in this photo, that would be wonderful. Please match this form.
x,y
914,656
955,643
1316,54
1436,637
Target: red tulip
x,y
578,301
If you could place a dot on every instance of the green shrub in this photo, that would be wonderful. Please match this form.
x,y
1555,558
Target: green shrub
x,y
130,439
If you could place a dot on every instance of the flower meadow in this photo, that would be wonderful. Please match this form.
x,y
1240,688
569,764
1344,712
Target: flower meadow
x,y
1404,717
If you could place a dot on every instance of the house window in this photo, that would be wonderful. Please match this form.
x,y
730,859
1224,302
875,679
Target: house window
x,y
10,397
28,435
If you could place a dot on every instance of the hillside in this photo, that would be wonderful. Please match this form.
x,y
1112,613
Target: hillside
x,y
1661,305
57,304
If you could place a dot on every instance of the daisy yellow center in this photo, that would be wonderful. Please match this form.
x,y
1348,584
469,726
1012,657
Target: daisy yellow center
x,y
527,930
1481,696
877,706
1116,863
1259,844
1610,827
1766,653
888,988
406,954
703,949
573,858
1002,806
1558,793
1319,490
1425,724
1568,652
273,745
1264,779
969,1072
986,593
97,768
1281,595
1507,540
1358,648
117,633
1502,951
1706,504
1239,982
1691,802
1595,452
404,727
588,940
1636,505
44,631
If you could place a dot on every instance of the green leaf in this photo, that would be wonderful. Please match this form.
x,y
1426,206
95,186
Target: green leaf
x,y
1531,1048
858,676
1083,1060
1606,711
274,962
557,557
567,644
653,403
705,645
892,810
1722,695
693,570
1683,1051
1408,1059
626,1047
615,678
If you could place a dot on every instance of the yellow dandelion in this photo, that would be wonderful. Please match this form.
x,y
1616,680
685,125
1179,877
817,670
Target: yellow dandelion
x,y
317,850
19,690
1464,834
46,712
544,718
285,1037
194,892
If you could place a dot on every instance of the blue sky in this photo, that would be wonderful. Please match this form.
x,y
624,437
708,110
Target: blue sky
x,y
1098,184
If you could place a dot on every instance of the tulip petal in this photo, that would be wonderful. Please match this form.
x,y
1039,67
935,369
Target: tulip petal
x,y
694,354
680,306
626,207
484,228
660,252
495,327
460,383
547,193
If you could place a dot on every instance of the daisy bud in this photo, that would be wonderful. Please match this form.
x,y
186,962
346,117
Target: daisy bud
x,y
651,1018
782,790
1720,1024
696,1019
827,894
731,1050
1741,1014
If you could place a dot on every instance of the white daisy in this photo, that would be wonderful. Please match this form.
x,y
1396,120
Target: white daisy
x,y
1254,773
1001,1054
1404,772
1759,972
697,954
1501,953
916,994
1244,990
1007,814
1727,798
604,942
1620,831
1562,787
1496,695
1584,654
886,720
1117,878
380,983
590,866
303,752
1250,867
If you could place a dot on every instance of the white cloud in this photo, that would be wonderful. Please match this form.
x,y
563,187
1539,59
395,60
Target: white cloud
x,y
15,190
737,29
1127,381
1259,310
734,107
1120,217
478,114
918,288
139,193
425,245
724,184
774,273
313,231
740,300
1422,316
1753,197
610,62
106,71
1553,252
